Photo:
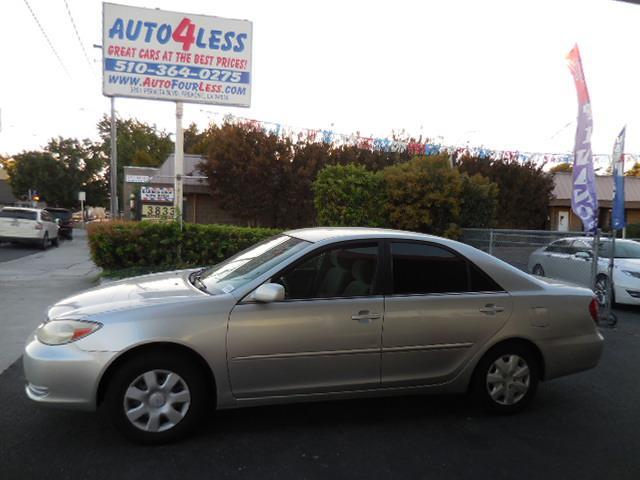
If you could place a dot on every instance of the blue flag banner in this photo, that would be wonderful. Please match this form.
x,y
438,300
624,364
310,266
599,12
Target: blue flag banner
x,y
617,160
584,201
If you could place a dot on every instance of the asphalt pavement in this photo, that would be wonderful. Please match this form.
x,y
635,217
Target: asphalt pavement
x,y
10,251
584,426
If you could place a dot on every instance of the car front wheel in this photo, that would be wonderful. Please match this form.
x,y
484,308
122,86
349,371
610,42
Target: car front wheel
x,y
506,379
156,398
45,241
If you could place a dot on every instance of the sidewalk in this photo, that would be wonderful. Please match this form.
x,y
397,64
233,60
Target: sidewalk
x,y
28,285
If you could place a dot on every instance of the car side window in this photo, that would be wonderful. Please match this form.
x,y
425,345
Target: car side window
x,y
345,271
423,269
559,246
580,246
45,216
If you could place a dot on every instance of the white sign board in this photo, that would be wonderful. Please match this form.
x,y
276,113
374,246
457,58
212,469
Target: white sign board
x,y
155,54
156,194
82,196
137,179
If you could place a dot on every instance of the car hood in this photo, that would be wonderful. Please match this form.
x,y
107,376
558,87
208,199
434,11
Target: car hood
x,y
136,292
627,263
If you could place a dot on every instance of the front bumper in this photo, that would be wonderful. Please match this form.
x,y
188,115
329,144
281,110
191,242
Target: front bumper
x,y
627,295
63,375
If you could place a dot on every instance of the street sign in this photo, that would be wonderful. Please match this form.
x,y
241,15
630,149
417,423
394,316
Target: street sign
x,y
82,196
180,57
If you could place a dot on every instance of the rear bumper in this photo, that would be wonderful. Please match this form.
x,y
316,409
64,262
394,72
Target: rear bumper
x,y
564,356
63,375
33,239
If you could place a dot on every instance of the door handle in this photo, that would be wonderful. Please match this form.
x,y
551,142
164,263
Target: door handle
x,y
491,309
365,316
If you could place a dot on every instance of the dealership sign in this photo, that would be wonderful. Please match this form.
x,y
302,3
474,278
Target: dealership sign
x,y
156,194
180,57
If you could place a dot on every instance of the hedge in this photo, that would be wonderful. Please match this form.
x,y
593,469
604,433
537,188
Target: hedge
x,y
120,245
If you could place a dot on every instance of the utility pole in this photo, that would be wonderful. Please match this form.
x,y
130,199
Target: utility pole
x,y
114,162
179,163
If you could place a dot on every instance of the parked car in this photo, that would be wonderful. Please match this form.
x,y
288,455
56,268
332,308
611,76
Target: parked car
x,y
28,225
570,259
307,315
65,221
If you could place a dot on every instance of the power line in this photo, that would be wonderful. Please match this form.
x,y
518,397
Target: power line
x,y
35,17
75,29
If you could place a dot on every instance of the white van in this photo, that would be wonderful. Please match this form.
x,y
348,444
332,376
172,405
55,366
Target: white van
x,y
28,225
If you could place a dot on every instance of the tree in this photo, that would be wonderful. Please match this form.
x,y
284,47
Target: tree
x,y
138,144
479,201
562,167
634,171
65,167
246,167
524,190
349,195
424,195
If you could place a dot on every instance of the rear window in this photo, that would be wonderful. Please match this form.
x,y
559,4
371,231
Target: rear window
x,y
21,214
61,214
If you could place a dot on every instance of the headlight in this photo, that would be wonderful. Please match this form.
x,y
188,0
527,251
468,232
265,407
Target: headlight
x,y
632,273
58,332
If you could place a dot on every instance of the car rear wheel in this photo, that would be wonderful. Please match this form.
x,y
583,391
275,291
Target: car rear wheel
x,y
45,241
156,398
601,290
538,270
506,379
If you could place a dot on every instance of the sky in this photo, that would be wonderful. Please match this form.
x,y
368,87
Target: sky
x,y
483,73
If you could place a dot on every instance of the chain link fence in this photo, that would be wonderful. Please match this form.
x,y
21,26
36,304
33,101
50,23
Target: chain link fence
x,y
513,246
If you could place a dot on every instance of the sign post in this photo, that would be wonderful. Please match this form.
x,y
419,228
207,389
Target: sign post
x,y
82,196
114,163
179,163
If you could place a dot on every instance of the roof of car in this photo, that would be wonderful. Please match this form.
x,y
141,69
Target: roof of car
x,y
323,233
27,209
57,209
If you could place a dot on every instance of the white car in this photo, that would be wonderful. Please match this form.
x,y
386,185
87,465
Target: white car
x,y
570,259
28,225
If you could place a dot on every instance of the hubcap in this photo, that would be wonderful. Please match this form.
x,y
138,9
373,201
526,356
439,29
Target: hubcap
x,y
157,400
508,379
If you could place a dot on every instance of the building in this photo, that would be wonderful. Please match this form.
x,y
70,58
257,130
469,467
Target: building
x,y
6,195
563,219
199,206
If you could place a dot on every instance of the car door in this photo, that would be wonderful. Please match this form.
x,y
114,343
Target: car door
x,y
439,311
324,337
558,257
578,268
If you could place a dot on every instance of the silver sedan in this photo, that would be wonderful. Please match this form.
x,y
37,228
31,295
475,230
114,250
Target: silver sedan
x,y
310,314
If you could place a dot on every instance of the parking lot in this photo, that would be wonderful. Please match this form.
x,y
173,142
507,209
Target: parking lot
x,y
584,426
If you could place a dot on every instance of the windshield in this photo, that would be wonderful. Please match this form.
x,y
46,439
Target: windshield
x,y
251,263
624,249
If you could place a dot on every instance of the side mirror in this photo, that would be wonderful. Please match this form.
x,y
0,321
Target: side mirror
x,y
583,255
269,292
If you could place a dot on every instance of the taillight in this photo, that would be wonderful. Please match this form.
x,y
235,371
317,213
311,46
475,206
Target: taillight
x,y
594,310
38,226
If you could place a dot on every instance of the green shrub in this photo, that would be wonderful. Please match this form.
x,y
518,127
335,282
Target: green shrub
x,y
633,230
424,195
349,195
159,245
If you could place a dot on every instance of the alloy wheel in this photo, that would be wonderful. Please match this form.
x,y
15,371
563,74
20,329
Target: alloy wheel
x,y
508,379
157,400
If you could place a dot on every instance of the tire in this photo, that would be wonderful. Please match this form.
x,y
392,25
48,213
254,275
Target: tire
x,y
45,241
506,379
144,384
538,270
55,242
600,289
